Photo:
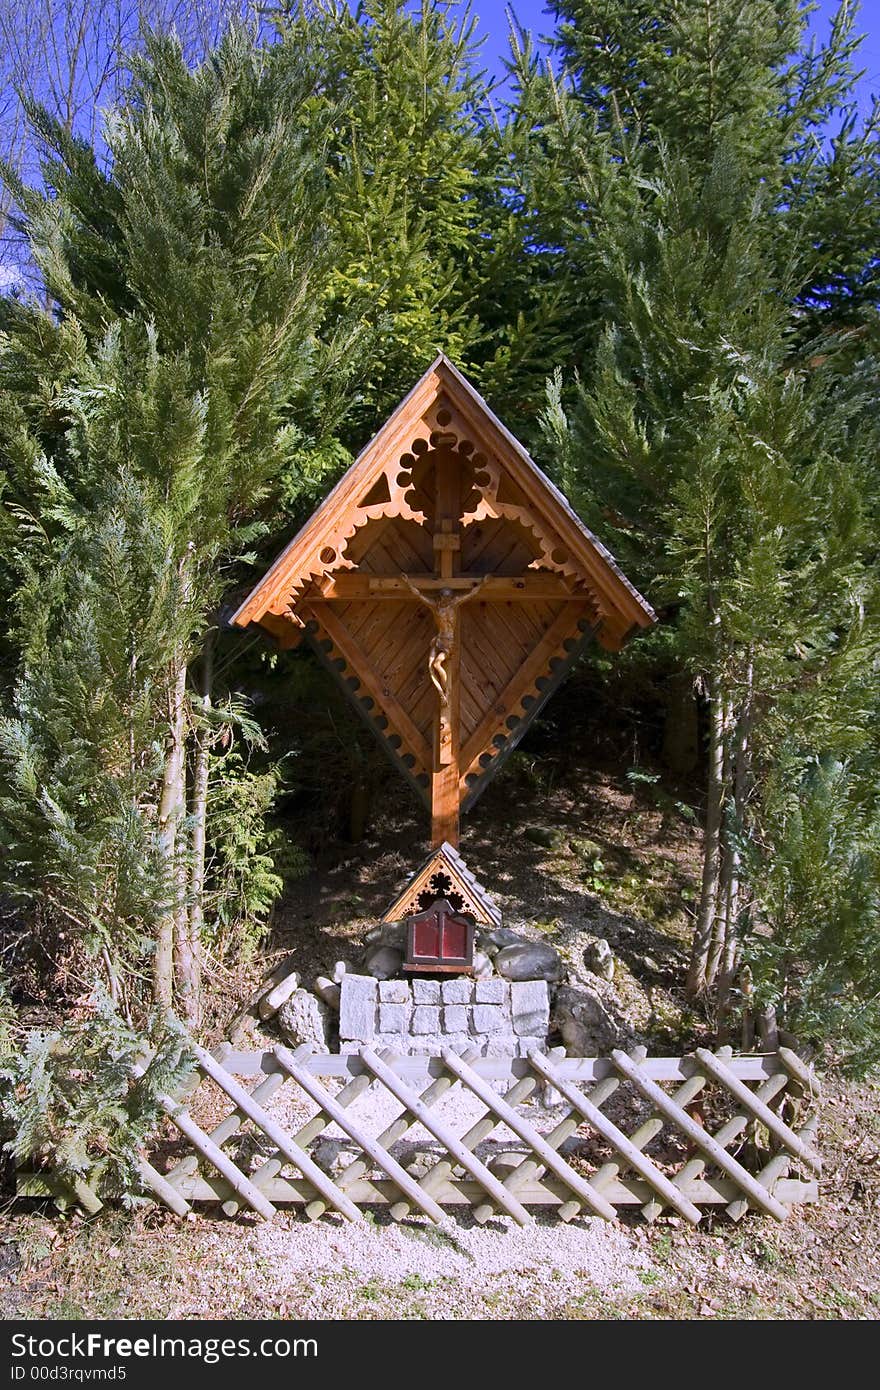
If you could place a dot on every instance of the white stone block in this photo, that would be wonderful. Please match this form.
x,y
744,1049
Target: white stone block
x,y
394,992
527,1045
426,991
501,1046
358,999
490,991
489,1018
394,1018
530,1005
457,991
395,1042
456,1018
426,1018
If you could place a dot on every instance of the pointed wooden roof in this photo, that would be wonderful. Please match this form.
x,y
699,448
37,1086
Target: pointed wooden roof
x,y
444,874
448,586
372,487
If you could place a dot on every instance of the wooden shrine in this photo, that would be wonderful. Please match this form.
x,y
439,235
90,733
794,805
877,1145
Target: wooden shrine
x,y
449,586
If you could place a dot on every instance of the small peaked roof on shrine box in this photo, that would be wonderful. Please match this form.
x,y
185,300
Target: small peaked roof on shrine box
x,y
448,587
369,489
444,874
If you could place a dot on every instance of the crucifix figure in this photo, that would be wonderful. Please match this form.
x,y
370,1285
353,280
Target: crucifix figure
x,y
444,609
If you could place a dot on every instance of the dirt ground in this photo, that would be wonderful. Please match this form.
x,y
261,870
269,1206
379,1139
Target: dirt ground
x,y
621,865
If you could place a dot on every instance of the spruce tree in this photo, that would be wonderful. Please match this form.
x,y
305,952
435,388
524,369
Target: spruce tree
x,y
183,290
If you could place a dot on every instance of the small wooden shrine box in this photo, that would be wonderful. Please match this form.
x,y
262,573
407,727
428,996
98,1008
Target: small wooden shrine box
x,y
439,941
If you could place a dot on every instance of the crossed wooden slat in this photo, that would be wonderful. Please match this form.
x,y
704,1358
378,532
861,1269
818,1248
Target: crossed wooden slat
x,y
542,1161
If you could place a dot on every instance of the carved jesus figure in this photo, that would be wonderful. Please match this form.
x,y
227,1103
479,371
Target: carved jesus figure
x,y
444,608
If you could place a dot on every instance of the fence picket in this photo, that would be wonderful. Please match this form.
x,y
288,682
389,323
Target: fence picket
x,y
541,1177
407,1184
448,1139
282,1141
529,1134
619,1141
725,1161
777,1127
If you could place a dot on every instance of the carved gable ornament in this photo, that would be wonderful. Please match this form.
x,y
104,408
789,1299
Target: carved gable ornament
x,y
444,874
449,586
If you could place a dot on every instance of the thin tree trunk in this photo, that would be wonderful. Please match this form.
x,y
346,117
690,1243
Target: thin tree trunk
x,y
704,930
171,810
199,821
725,855
741,782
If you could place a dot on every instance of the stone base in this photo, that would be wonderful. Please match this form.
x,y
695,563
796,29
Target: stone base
x,y
422,1016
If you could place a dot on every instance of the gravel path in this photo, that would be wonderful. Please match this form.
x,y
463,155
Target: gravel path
x,y
333,1269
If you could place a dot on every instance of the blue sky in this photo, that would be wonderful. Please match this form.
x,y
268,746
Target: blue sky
x,y
532,15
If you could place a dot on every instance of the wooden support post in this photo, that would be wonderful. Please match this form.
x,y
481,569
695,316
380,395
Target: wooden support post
x,y
445,794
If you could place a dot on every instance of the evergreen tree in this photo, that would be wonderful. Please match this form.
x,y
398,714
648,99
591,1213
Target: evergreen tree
x,y
737,483
406,162
196,259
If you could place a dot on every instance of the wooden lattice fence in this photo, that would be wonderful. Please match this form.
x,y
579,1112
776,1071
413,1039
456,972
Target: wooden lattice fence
x,y
581,1135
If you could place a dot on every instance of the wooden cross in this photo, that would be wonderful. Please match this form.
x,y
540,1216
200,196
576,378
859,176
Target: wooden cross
x,y
443,593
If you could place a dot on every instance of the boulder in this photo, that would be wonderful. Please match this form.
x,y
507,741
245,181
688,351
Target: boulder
x,y
529,960
599,959
304,1019
383,962
586,1027
543,835
279,994
500,937
387,934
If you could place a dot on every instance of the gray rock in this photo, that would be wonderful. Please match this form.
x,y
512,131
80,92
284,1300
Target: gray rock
x,y
543,835
587,1028
359,999
457,991
488,1018
503,1164
334,1155
383,961
531,960
499,937
394,1018
394,992
491,991
652,966
426,1018
455,1018
340,968
599,959
304,1019
279,994
483,967
530,1006
426,991
328,992
387,934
